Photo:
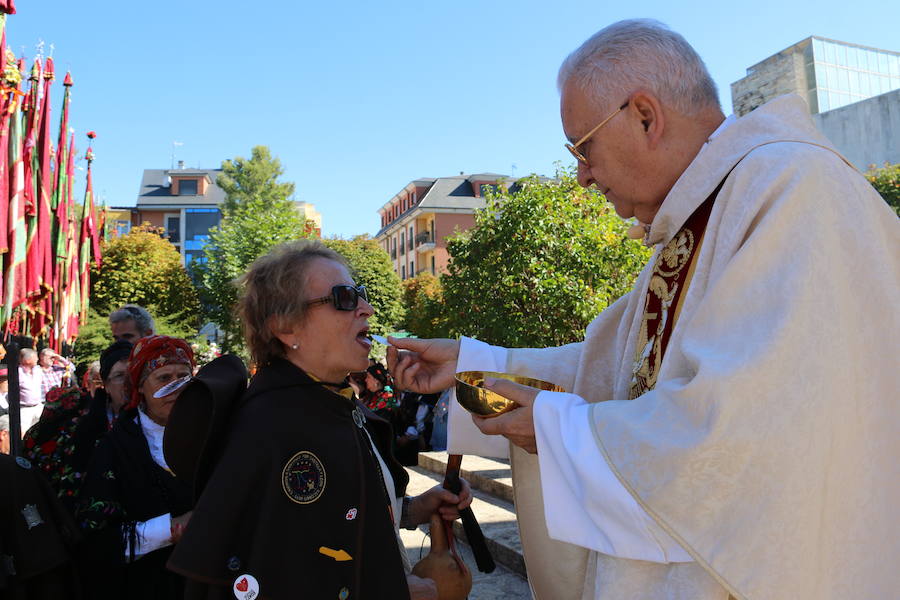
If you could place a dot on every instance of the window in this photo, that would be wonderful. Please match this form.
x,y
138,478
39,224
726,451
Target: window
x,y
411,236
173,228
187,187
122,227
403,273
412,268
402,242
432,265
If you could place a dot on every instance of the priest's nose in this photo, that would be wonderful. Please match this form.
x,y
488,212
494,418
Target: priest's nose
x,y
585,178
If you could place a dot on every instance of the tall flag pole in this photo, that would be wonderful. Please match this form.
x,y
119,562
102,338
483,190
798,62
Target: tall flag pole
x,y
87,230
34,258
44,308
60,230
7,101
73,281
15,275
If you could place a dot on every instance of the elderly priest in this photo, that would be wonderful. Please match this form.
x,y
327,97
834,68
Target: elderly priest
x,y
732,426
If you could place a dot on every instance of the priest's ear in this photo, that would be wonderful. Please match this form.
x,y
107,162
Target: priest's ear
x,y
647,109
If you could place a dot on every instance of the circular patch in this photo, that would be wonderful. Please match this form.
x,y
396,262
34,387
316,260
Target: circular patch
x,y
303,478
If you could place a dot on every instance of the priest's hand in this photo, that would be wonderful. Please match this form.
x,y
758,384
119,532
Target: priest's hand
x,y
422,366
516,425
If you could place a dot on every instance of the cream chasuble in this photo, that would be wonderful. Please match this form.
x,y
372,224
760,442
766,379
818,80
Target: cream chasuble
x,y
768,446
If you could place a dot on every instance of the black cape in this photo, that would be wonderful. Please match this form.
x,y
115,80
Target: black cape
x,y
37,537
297,486
124,486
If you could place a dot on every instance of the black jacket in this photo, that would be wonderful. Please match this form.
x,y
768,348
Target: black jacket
x,y
296,488
123,487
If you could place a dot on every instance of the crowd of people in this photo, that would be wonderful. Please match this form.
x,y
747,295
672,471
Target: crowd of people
x,y
314,442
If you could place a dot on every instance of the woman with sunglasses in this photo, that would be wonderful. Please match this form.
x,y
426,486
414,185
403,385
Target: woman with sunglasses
x,y
306,498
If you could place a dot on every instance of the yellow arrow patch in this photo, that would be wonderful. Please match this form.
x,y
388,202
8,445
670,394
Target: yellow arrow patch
x,y
338,555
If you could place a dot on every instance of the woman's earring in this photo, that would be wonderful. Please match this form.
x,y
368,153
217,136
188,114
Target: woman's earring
x,y
294,346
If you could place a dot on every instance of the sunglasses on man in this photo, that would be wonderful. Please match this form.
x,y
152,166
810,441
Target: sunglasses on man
x,y
344,297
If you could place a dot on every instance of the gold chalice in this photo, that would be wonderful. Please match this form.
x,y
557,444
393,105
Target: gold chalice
x,y
471,394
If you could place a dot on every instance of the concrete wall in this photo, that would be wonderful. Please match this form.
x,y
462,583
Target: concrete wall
x,y
865,132
780,74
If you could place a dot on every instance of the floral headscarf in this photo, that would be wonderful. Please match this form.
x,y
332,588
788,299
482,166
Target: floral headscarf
x,y
151,353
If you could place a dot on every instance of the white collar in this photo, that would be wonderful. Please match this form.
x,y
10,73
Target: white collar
x,y
722,127
154,433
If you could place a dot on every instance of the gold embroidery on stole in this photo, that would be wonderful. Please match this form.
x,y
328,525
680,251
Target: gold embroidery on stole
x,y
665,293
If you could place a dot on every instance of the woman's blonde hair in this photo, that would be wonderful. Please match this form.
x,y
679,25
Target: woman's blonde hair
x,y
272,295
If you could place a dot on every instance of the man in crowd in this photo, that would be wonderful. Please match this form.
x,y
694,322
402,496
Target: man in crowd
x,y
31,381
131,323
57,371
732,426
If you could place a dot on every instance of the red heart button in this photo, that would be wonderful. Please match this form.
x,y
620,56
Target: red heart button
x,y
243,585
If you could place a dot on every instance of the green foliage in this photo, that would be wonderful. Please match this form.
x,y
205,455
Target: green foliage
x,y
254,181
144,268
423,297
540,264
95,335
257,215
371,266
886,181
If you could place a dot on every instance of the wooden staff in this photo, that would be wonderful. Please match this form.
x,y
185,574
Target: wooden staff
x,y
13,398
483,557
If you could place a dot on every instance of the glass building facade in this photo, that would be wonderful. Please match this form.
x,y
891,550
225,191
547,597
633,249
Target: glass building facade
x,y
838,73
197,223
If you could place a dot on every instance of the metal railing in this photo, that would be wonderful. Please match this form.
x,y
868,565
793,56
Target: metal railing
x,y
424,238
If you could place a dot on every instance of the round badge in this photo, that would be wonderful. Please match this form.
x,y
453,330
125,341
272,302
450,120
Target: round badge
x,y
303,478
245,587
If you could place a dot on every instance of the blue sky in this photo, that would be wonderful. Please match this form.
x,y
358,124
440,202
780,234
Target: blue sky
x,y
359,98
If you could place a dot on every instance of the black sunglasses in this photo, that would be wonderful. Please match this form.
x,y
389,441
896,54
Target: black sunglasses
x,y
344,297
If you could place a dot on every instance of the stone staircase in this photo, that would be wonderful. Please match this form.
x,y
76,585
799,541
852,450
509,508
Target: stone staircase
x,y
491,481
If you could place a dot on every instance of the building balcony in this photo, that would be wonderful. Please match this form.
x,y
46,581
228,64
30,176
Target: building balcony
x,y
424,242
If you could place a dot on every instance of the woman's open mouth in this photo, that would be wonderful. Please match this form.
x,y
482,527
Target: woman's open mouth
x,y
362,338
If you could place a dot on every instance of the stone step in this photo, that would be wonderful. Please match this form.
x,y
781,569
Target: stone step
x,y
491,475
495,515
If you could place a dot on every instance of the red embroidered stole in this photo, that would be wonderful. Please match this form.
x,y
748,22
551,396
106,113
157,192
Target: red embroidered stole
x,y
668,285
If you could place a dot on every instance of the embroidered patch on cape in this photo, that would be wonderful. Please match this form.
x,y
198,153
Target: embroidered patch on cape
x,y
351,514
303,478
32,516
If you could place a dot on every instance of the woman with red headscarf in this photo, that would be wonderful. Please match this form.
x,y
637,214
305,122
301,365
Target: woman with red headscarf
x,y
132,509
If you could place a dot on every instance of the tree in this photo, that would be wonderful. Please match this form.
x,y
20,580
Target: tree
x,y
143,268
257,215
887,182
542,261
371,266
423,298
254,181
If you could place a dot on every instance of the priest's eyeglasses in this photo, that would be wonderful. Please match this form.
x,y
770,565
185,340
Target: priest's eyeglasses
x,y
573,148
344,297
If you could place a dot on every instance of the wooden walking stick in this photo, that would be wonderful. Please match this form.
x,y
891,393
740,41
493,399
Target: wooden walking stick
x,y
483,558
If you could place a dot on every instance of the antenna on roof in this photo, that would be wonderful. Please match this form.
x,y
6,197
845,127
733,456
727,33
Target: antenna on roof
x,y
513,170
174,144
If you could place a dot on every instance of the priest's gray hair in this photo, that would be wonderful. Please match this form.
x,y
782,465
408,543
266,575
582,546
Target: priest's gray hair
x,y
143,322
640,54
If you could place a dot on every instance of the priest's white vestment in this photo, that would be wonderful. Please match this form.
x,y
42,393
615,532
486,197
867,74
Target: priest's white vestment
x,y
767,449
